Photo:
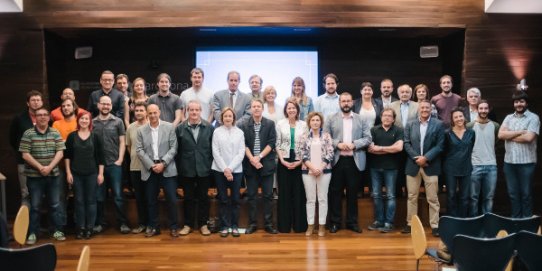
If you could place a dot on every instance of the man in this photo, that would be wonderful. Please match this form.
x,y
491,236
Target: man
x,y
140,114
121,82
328,103
171,107
385,149
473,98
484,162
68,123
195,156
405,109
386,90
19,124
110,130
42,148
56,114
198,92
231,97
351,135
446,100
520,131
259,165
256,82
117,98
423,143
156,147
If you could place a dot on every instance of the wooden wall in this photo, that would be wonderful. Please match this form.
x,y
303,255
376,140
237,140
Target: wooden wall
x,y
499,49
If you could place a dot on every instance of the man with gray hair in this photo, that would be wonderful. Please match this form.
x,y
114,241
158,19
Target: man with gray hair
x,y
255,82
473,97
231,97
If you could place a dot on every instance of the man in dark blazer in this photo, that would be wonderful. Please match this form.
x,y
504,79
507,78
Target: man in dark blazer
x,y
349,162
386,90
158,167
424,141
231,97
194,157
259,164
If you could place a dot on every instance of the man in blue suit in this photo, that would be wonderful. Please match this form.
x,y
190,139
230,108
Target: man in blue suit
x,y
424,141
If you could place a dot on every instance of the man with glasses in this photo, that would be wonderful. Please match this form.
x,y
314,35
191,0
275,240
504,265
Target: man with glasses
x,y
117,98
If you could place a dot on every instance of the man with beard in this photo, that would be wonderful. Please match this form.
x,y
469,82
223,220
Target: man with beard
x,y
110,130
386,90
328,103
107,79
351,136
484,162
446,100
171,107
68,123
19,124
520,131
56,114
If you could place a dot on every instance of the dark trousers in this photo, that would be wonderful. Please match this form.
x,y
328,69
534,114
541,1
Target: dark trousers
x,y
253,182
195,196
170,190
113,180
291,210
140,192
229,205
85,187
345,174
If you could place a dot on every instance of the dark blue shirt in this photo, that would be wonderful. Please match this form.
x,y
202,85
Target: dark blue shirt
x,y
458,152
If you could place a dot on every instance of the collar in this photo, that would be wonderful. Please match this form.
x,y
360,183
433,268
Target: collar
x,y
233,92
40,133
334,95
108,93
167,95
109,116
349,116
527,112
422,122
405,103
159,123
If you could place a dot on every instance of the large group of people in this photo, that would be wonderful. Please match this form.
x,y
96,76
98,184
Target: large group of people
x,y
310,150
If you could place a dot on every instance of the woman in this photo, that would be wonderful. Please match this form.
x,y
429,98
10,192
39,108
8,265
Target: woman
x,y
366,105
317,154
139,95
304,101
84,160
459,142
228,153
270,109
422,93
291,210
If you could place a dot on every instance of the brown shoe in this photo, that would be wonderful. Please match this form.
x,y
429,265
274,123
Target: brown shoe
x,y
205,231
185,231
310,230
322,230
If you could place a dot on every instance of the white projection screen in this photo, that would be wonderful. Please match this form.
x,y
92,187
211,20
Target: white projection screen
x,y
277,67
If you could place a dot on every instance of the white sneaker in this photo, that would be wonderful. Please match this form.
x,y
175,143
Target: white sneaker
x,y
31,239
59,236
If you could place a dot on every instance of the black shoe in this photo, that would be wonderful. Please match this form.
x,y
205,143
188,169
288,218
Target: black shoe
x,y
80,234
434,232
88,234
270,230
251,229
174,233
152,232
333,228
354,228
406,229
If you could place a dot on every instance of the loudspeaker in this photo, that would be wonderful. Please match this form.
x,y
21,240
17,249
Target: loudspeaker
x,y
83,52
428,51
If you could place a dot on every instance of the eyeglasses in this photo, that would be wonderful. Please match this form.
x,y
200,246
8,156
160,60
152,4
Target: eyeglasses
x,y
106,104
107,80
42,115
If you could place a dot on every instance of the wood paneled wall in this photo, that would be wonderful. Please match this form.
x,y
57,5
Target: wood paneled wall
x,y
498,50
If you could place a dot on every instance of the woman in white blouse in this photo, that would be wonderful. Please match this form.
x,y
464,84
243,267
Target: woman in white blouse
x,y
291,211
366,106
228,154
271,110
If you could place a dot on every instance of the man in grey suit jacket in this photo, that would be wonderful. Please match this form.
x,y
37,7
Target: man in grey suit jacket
x,y
424,141
231,97
156,147
405,109
349,161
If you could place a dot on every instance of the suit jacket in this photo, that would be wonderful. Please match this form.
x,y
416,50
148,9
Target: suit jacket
x,y
377,106
433,146
221,99
361,137
268,137
194,159
379,100
167,149
412,112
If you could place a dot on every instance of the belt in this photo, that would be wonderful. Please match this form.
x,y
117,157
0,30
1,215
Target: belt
x,y
157,161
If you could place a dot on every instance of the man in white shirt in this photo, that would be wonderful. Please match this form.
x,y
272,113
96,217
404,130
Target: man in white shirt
x,y
328,103
199,93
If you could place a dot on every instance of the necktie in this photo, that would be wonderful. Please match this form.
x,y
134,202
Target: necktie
x,y
231,99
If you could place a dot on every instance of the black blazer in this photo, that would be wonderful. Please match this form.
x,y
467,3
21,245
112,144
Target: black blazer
x,y
194,159
268,137
376,104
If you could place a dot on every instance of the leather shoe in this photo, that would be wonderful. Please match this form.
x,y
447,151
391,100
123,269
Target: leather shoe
x,y
152,232
406,229
271,230
333,228
251,229
354,228
174,233
434,232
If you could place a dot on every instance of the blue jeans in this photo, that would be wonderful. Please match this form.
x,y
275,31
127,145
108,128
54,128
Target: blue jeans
x,y
453,183
85,187
113,180
37,187
519,181
229,206
482,189
379,178
170,191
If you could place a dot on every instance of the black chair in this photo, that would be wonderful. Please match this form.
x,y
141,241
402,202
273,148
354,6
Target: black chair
x,y
450,226
494,223
37,258
480,254
528,247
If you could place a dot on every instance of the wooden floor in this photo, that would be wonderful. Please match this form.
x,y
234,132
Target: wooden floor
x,y
344,250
